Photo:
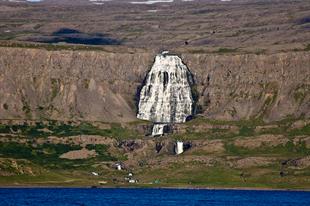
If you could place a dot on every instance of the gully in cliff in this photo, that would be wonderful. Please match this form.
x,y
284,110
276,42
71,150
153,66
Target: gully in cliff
x,y
166,97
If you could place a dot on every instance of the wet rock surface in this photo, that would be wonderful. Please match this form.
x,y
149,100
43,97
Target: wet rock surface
x,y
166,96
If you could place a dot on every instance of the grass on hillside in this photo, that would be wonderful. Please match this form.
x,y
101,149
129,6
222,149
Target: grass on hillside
x,y
47,155
221,174
226,50
61,130
288,150
181,175
242,128
49,47
49,178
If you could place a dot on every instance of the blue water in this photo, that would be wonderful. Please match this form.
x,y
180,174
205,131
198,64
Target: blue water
x,y
145,197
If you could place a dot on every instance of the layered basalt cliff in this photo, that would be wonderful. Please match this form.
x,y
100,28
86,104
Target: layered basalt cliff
x,y
102,86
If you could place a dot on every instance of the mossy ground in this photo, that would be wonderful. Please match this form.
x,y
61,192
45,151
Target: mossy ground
x,y
225,177
61,129
54,171
243,128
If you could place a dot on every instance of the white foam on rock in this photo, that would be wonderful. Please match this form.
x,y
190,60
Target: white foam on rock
x,y
34,1
158,129
152,10
98,2
178,148
166,96
151,1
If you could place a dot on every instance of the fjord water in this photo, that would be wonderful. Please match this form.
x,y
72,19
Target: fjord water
x,y
145,197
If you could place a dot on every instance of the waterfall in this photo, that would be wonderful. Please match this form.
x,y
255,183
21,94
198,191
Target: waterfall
x,y
166,96
158,129
178,148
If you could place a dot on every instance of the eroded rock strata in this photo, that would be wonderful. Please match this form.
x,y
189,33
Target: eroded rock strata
x,y
101,86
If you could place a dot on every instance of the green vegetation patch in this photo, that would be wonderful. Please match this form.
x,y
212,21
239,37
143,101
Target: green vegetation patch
x,y
203,128
226,50
48,47
301,92
246,131
48,155
45,154
300,131
60,129
181,174
289,150
102,151
55,84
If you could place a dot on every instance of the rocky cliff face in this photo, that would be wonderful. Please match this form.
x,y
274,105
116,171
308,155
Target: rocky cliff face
x,y
101,86
67,85
166,96
235,87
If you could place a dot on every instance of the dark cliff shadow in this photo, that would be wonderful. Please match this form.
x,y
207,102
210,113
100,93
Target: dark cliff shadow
x,y
138,91
196,108
304,20
72,36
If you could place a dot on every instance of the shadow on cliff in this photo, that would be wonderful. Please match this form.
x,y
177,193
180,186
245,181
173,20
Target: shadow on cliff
x,y
304,20
196,108
138,91
72,36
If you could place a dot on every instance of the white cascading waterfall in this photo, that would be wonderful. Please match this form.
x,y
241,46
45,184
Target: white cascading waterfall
x,y
166,96
158,129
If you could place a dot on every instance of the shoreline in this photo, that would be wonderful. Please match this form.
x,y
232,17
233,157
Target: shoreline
x,y
143,187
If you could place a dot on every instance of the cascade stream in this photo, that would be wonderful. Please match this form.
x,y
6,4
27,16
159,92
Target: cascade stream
x,y
166,97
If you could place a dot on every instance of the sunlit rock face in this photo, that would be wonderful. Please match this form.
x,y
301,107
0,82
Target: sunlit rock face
x,y
166,96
